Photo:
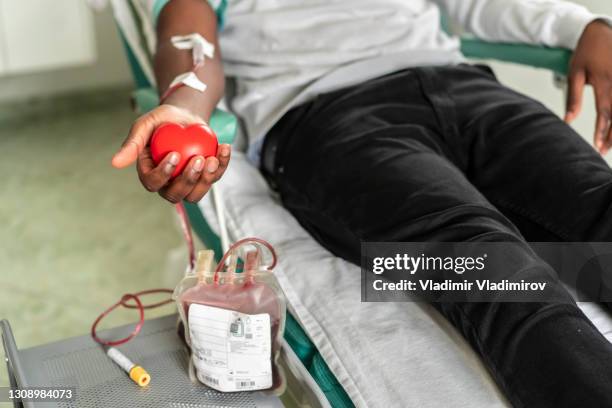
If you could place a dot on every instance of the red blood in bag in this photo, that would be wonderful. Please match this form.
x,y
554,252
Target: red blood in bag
x,y
250,298
189,141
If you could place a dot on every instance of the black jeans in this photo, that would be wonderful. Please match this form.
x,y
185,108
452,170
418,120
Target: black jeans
x,y
449,154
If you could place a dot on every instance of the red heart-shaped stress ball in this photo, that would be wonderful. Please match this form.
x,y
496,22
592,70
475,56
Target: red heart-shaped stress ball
x,y
188,141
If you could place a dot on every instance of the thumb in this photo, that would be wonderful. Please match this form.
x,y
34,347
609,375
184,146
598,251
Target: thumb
x,y
135,142
575,90
126,155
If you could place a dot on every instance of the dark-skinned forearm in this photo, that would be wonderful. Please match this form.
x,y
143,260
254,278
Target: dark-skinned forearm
x,y
182,17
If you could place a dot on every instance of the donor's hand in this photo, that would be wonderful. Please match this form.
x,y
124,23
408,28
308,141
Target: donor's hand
x,y
592,64
197,177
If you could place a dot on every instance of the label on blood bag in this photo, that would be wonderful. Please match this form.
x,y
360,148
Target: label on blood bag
x,y
231,350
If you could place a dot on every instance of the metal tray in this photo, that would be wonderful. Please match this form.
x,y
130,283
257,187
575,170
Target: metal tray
x,y
81,363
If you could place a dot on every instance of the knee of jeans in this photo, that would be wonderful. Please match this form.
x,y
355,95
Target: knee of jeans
x,y
500,329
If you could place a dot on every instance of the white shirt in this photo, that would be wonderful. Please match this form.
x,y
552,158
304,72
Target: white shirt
x,y
283,52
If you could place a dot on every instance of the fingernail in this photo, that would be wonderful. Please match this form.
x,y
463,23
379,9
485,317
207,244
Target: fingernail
x,y
212,166
174,159
198,165
169,168
225,151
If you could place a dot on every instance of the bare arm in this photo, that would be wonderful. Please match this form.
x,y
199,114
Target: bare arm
x,y
182,17
185,105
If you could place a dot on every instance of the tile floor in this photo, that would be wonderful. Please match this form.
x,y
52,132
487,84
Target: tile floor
x,y
75,233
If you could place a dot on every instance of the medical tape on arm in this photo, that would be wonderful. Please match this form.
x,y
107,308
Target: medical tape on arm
x,y
189,79
200,49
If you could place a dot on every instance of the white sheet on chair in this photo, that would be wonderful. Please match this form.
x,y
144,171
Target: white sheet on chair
x,y
384,354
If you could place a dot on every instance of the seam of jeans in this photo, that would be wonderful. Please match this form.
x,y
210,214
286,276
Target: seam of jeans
x,y
445,112
563,234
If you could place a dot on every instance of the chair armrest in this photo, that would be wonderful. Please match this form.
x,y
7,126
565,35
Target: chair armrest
x,y
554,59
223,123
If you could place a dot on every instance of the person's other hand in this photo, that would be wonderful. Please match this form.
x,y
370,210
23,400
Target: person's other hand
x,y
592,64
197,177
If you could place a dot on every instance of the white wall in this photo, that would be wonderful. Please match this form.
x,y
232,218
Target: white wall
x,y
110,69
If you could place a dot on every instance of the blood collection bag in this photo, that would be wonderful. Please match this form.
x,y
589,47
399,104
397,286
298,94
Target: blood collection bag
x,y
233,319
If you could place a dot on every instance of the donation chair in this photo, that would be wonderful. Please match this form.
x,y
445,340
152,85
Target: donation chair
x,y
135,29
